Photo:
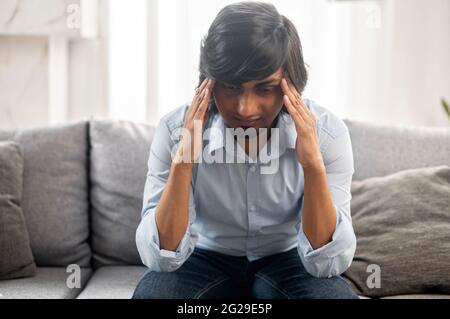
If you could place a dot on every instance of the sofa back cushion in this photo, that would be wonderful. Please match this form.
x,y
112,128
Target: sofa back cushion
x,y
16,258
381,150
55,197
402,227
118,168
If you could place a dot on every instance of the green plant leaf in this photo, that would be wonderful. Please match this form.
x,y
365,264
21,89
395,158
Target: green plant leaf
x,y
445,106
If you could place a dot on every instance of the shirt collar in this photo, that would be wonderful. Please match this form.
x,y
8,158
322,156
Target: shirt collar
x,y
215,133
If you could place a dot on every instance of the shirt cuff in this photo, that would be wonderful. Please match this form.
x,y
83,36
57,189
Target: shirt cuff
x,y
155,258
309,251
332,258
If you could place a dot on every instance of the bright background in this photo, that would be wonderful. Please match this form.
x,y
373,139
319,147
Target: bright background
x,y
379,61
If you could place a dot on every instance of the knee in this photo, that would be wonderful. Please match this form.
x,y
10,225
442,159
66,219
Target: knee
x,y
332,288
302,288
178,285
149,286
142,290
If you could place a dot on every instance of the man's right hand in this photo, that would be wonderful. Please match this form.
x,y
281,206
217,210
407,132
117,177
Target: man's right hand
x,y
172,212
191,139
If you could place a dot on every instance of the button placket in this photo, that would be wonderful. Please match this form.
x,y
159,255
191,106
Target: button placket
x,y
252,190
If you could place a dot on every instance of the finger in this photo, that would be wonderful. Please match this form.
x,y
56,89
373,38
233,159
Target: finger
x,y
299,98
296,99
202,86
298,120
287,90
210,88
199,93
204,110
198,98
291,107
203,106
289,96
304,110
211,84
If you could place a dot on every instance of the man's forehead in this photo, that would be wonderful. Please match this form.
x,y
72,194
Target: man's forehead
x,y
274,77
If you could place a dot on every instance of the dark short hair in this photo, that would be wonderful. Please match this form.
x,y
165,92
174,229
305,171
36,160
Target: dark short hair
x,y
250,41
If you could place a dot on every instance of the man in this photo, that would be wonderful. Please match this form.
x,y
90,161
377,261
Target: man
x,y
229,228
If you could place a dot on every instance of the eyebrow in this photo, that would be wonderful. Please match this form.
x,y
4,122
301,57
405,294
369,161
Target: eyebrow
x,y
264,82
268,81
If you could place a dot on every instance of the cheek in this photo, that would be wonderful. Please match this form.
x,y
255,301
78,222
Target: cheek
x,y
224,102
274,104
222,107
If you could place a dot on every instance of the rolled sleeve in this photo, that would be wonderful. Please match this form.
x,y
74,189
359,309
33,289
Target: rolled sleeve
x,y
147,237
335,257
152,255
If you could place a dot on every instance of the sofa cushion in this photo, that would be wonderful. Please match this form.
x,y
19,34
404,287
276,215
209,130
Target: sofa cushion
x,y
402,226
113,282
49,283
380,150
16,258
55,196
118,168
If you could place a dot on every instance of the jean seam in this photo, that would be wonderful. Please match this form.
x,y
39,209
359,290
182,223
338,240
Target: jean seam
x,y
209,287
273,284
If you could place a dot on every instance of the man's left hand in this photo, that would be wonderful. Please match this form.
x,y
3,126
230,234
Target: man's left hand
x,y
307,144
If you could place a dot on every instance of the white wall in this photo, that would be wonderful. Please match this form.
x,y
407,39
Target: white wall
x,y
381,61
393,72
23,81
402,69
50,72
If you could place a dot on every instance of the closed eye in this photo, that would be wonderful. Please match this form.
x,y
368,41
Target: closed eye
x,y
267,89
230,87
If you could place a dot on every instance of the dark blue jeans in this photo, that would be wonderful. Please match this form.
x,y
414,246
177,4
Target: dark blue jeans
x,y
209,275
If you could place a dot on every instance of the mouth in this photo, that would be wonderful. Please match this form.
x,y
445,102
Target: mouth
x,y
247,123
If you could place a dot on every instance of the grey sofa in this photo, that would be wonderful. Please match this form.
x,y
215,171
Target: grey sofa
x,y
83,186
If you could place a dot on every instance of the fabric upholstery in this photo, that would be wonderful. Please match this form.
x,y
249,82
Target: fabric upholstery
x,y
16,258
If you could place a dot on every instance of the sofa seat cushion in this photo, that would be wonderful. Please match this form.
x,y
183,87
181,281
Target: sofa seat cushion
x,y
49,283
55,192
113,282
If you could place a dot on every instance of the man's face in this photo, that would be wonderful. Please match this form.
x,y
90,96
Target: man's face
x,y
252,104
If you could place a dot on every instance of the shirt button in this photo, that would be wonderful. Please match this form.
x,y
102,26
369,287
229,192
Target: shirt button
x,y
252,207
253,168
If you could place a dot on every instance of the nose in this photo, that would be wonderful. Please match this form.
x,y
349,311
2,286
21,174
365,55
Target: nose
x,y
248,106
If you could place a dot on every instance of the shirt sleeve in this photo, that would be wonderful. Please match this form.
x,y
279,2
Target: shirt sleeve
x,y
147,238
335,257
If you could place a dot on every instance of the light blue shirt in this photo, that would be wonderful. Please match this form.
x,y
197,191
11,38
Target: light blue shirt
x,y
235,209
